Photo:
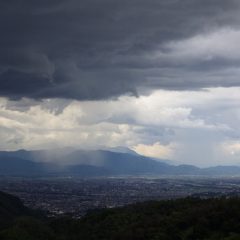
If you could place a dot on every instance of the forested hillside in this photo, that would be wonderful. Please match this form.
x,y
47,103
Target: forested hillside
x,y
171,220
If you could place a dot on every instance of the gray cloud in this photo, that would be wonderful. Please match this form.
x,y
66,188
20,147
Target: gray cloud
x,y
94,49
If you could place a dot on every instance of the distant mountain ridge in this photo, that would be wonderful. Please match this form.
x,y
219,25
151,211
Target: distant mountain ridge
x,y
94,163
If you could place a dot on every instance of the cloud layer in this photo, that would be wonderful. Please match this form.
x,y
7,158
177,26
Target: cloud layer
x,y
158,76
197,127
90,49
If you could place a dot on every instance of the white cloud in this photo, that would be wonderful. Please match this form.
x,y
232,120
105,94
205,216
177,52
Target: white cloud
x,y
156,150
186,126
231,148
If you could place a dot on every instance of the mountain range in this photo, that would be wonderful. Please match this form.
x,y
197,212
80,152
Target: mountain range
x,y
95,163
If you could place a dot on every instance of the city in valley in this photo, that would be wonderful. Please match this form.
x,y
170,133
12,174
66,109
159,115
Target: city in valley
x,y
77,196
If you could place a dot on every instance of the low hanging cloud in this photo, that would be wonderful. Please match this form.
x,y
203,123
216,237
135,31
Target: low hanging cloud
x,y
156,150
91,50
196,127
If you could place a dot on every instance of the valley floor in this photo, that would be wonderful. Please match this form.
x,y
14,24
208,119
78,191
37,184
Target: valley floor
x,y
76,196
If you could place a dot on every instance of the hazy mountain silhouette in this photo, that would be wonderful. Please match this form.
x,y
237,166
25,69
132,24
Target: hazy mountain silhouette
x,y
92,163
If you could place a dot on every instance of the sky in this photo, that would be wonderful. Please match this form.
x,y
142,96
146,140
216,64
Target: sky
x,y
160,77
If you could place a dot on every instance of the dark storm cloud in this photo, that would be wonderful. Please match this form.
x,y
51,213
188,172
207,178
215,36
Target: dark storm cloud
x,y
93,49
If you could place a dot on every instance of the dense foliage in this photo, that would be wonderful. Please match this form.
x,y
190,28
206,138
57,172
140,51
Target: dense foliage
x,y
164,220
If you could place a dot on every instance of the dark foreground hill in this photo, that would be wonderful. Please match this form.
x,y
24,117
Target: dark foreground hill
x,y
184,219
10,208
